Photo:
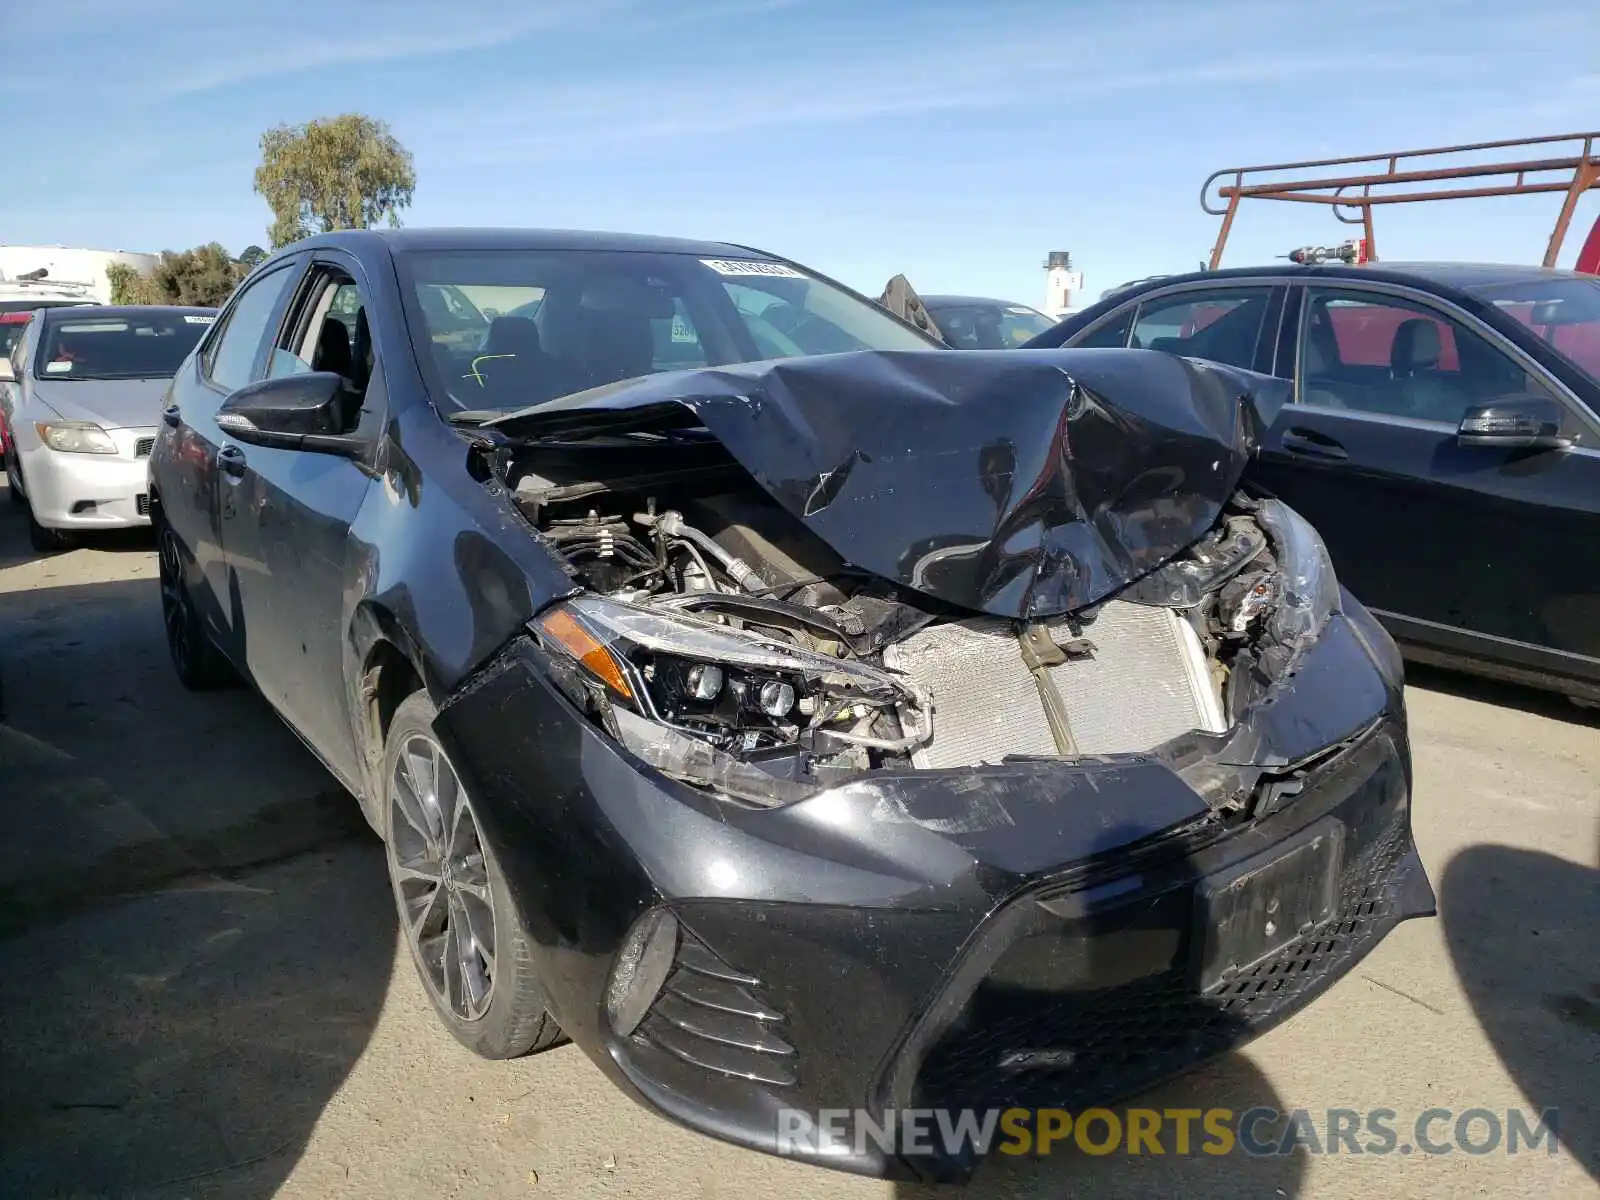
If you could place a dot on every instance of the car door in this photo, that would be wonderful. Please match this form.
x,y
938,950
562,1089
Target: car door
x,y
1468,548
287,528
1234,323
193,488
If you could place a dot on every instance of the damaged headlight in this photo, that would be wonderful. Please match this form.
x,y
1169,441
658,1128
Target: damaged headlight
x,y
728,707
1307,590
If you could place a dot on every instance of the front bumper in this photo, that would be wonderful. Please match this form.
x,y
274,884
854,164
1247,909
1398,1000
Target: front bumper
x,y
1029,934
90,491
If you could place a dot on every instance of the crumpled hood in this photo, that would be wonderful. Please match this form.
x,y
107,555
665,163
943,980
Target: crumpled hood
x,y
109,403
1019,483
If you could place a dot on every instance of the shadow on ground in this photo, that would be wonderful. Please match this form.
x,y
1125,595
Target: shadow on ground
x,y
15,550
196,933
1523,929
1233,1083
187,1042
118,780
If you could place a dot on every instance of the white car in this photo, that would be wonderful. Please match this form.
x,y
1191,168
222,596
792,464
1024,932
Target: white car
x,y
81,393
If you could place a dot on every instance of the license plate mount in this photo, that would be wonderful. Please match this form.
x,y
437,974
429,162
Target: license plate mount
x,y
1266,903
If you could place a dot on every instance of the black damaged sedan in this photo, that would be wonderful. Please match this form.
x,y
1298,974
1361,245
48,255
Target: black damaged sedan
x,y
794,713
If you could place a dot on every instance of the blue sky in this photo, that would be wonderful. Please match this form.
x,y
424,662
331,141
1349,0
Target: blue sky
x,y
955,142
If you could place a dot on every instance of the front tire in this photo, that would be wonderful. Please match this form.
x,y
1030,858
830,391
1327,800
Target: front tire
x,y
14,476
201,667
467,939
45,541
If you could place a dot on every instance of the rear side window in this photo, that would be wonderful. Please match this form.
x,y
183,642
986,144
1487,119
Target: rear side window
x,y
1223,326
18,348
231,359
11,326
1113,335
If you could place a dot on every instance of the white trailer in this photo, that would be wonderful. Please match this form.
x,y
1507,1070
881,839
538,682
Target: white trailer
x,y
68,271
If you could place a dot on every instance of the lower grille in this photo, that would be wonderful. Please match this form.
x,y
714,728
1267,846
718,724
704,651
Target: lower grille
x,y
141,503
715,1017
142,447
1145,682
1094,1047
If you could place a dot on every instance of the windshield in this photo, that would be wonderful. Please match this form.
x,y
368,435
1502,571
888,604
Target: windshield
x,y
1565,313
118,347
504,330
989,326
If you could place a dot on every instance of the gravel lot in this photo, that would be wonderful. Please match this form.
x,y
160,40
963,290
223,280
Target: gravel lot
x,y
202,991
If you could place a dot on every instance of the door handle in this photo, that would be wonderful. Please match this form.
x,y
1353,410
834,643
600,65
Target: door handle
x,y
231,460
172,416
1313,445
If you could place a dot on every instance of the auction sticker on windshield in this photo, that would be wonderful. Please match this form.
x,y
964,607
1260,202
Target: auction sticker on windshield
x,y
736,266
190,320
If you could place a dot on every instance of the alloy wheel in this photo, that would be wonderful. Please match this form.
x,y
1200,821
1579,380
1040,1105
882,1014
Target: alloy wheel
x,y
440,876
175,612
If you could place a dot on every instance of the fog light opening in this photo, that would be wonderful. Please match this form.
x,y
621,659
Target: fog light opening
x,y
643,965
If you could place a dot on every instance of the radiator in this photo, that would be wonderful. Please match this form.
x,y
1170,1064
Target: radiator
x,y
1146,682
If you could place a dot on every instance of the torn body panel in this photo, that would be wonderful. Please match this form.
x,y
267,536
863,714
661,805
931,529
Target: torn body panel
x,y
1016,485
722,616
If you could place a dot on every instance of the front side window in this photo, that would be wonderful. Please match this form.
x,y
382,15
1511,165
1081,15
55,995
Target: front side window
x,y
1563,312
231,360
568,320
332,334
131,346
1223,325
1394,357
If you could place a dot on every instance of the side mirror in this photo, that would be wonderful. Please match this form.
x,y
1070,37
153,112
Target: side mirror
x,y
1517,422
293,412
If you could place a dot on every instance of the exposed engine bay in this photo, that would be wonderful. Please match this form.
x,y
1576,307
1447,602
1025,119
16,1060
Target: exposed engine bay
x,y
751,659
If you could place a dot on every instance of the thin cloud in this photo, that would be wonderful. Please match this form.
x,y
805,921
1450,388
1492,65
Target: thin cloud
x,y
203,48
650,21
681,107
419,37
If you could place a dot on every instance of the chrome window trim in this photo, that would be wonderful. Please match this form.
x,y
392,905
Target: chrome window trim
x,y
1177,289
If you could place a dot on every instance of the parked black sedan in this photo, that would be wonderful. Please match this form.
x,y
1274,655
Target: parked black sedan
x,y
1444,439
983,323
794,712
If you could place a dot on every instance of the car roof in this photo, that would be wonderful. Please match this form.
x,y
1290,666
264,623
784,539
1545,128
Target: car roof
x,y
79,312
450,238
1446,274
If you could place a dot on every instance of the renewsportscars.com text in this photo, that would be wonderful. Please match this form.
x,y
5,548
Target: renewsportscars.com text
x,y
1175,1131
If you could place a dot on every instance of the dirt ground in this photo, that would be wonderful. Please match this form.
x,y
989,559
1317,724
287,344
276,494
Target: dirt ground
x,y
202,992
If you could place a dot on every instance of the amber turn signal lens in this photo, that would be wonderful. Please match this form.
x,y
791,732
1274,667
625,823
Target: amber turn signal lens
x,y
587,649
